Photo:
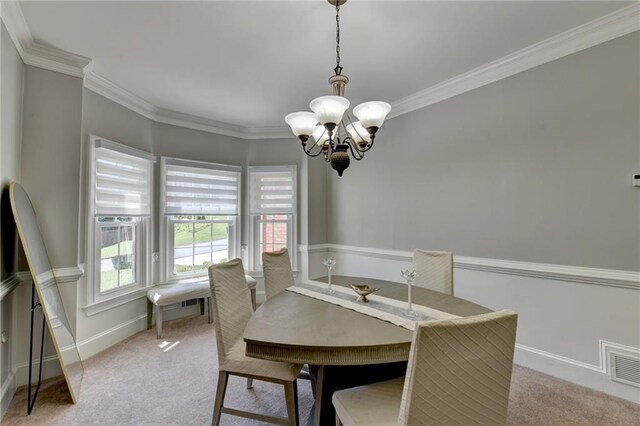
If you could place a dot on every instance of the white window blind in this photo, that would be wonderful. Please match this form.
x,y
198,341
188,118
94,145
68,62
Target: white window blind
x,y
122,183
192,188
273,190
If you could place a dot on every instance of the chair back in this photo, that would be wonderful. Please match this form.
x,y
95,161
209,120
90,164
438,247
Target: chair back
x,y
459,371
230,302
434,270
278,275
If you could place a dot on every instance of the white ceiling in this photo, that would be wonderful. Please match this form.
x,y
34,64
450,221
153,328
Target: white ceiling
x,y
251,63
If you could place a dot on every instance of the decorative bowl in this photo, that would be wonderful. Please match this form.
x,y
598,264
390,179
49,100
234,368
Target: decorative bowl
x,y
363,290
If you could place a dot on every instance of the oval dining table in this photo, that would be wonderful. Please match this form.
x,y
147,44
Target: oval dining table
x,y
342,347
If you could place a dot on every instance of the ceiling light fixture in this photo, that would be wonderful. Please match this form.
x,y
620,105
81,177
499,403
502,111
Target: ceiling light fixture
x,y
332,137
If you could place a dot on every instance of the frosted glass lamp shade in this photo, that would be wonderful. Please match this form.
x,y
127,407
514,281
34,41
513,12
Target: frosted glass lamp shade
x,y
329,109
358,132
372,114
320,135
302,123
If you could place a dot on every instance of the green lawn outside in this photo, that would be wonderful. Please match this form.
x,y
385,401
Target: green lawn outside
x,y
109,279
126,247
183,232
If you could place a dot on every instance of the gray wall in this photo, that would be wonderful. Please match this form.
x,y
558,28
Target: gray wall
x,y
12,76
536,167
51,158
11,135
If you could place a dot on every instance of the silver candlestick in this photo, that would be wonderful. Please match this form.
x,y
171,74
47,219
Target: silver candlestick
x,y
329,263
409,275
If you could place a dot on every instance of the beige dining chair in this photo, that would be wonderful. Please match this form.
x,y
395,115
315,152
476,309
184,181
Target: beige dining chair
x,y
434,270
231,312
276,266
459,373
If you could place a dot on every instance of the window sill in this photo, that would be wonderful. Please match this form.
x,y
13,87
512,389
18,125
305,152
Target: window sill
x,y
121,299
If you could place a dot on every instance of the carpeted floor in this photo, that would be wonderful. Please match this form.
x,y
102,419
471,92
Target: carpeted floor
x,y
144,381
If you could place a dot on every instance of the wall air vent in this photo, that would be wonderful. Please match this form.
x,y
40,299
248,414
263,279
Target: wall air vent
x,y
624,367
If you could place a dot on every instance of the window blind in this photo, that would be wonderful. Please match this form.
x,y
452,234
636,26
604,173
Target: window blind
x,y
193,188
122,184
272,190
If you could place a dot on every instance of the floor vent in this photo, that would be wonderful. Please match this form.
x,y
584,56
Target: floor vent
x,y
624,368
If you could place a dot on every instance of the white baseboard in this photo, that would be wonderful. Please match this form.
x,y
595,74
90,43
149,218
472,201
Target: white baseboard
x,y
9,387
98,343
574,371
51,368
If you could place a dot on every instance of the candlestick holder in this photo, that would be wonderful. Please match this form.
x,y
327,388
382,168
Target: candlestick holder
x,y
329,263
409,275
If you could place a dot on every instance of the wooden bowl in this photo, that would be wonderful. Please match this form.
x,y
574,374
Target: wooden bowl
x,y
363,290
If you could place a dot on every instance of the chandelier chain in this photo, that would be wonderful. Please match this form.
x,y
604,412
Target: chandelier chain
x,y
338,68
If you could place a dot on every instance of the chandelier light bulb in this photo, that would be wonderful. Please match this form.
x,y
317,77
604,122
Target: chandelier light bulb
x,y
302,123
372,114
320,135
329,109
358,132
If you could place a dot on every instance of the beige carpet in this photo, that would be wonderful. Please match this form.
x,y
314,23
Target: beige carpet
x,y
144,381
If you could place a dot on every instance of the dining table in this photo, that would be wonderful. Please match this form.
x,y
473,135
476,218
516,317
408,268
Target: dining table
x,y
343,348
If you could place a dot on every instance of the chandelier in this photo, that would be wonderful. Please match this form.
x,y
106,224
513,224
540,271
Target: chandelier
x,y
332,138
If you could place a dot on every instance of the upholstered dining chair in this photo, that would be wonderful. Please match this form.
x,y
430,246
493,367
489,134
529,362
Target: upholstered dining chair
x,y
231,311
434,270
459,373
276,266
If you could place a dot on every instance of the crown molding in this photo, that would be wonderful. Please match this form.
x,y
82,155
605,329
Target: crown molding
x,y
616,24
119,95
38,54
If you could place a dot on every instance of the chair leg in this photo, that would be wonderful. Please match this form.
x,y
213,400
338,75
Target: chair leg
x,y
291,397
223,378
149,314
201,303
249,383
159,321
209,310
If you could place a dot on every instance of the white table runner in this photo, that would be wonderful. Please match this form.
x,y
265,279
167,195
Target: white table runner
x,y
384,308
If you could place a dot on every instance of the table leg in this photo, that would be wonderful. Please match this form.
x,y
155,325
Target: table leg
x,y
253,298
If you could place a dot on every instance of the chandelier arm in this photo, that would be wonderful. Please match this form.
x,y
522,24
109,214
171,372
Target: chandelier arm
x,y
309,151
355,153
358,133
373,139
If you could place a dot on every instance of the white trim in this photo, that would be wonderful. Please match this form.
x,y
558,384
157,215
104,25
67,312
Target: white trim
x,y
600,30
101,341
11,282
578,274
68,275
608,27
51,368
112,302
36,54
579,372
9,387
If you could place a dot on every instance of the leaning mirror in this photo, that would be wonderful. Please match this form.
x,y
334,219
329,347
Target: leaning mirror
x,y
47,288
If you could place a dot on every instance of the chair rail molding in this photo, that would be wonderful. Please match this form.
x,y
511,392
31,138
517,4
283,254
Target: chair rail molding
x,y
578,274
11,282
608,27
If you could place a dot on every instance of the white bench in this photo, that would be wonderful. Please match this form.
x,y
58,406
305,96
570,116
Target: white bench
x,y
198,288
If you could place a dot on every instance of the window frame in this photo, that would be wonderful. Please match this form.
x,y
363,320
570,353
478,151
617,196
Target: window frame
x,y
166,234
144,237
254,229
233,250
